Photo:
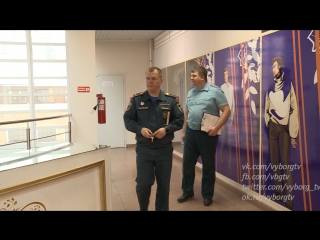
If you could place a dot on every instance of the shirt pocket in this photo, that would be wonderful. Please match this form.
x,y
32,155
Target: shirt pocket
x,y
203,101
143,113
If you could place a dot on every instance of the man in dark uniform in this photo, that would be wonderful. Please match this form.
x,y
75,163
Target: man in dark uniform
x,y
153,116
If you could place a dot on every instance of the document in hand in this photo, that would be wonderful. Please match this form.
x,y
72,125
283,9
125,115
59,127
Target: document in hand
x,y
209,121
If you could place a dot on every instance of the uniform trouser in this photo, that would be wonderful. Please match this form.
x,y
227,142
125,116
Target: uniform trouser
x,y
199,143
225,145
279,140
153,164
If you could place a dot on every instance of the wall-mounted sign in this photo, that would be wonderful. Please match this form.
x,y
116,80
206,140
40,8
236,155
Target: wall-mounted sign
x,y
107,84
83,89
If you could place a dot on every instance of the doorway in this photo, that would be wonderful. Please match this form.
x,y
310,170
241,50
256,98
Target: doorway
x,y
113,132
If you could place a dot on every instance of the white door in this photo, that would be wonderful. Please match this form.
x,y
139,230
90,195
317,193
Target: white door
x,y
112,133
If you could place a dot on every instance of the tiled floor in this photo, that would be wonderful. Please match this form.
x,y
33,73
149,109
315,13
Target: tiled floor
x,y
123,173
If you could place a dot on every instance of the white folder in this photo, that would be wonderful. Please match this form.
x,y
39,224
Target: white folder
x,y
209,121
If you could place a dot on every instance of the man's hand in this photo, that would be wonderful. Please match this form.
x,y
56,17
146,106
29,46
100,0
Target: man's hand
x,y
160,133
213,131
146,132
183,136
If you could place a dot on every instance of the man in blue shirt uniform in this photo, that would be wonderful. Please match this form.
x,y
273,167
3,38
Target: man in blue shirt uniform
x,y
153,116
203,98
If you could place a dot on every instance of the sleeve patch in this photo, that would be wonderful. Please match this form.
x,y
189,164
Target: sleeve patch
x,y
129,106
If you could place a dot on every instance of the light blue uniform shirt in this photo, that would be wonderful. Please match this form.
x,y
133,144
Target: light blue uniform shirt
x,y
206,100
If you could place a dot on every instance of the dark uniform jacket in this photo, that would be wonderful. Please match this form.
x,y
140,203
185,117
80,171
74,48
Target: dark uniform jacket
x,y
141,112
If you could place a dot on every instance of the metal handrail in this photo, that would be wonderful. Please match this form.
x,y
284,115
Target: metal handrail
x,y
34,120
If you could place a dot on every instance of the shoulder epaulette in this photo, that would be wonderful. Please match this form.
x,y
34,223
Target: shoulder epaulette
x,y
170,95
138,94
214,85
173,96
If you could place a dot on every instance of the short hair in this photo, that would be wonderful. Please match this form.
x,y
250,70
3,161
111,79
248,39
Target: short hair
x,y
226,69
278,59
202,71
152,69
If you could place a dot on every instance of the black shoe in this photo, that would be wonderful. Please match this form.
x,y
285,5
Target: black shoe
x,y
184,198
207,201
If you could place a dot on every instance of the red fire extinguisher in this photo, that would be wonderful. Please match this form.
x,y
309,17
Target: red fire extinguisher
x,y
101,108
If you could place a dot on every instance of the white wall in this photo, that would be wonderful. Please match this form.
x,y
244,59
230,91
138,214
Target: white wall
x,y
198,43
160,57
176,46
128,58
82,72
195,43
227,38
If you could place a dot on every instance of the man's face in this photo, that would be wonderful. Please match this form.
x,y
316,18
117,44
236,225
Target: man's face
x,y
153,81
275,68
225,74
196,79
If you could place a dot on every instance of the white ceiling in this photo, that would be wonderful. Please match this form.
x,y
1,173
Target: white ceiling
x,y
127,34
